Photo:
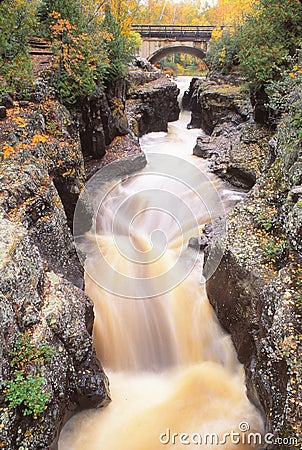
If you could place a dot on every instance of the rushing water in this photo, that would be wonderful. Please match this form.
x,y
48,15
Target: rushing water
x,y
172,369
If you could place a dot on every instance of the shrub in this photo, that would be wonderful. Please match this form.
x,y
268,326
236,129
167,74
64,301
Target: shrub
x,y
75,66
69,10
285,93
17,22
90,47
25,389
119,46
223,53
24,351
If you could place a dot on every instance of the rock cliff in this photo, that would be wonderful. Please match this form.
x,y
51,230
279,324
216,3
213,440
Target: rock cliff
x,y
48,364
102,118
151,100
234,144
256,290
42,302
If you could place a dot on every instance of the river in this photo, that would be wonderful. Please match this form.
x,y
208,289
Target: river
x,y
174,376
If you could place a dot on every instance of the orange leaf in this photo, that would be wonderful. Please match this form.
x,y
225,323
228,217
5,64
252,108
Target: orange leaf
x,y
20,121
39,138
7,150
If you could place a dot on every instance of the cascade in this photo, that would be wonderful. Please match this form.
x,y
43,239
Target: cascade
x,y
174,375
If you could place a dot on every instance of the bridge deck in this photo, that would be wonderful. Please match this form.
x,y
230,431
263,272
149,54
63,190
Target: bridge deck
x,y
174,31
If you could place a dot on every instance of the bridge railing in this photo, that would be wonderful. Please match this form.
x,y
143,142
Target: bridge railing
x,y
174,31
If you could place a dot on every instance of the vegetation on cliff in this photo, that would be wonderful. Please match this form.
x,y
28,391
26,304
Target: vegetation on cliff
x,y
266,50
263,46
17,20
92,44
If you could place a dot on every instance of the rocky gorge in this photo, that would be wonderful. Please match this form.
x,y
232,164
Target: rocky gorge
x,y
256,290
48,364
47,155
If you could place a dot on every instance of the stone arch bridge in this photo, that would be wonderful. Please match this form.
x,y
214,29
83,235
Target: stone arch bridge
x,y
163,40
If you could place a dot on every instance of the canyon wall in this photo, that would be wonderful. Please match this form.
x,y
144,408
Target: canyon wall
x,y
256,290
48,364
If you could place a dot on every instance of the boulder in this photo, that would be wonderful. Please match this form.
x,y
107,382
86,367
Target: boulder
x,y
46,310
141,71
152,106
41,279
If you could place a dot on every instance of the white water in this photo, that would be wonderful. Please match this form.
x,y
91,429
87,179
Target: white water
x,y
171,367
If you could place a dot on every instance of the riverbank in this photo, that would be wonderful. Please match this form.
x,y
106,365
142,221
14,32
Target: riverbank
x,y
43,307
256,290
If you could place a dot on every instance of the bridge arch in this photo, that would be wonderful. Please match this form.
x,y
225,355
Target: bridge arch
x,y
170,50
159,41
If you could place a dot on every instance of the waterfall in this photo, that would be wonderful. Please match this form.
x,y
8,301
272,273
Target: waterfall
x,y
175,378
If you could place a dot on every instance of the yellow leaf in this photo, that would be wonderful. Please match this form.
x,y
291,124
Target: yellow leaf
x,y
20,122
7,150
68,172
39,138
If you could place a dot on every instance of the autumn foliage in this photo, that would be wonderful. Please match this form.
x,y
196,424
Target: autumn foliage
x,y
263,46
192,12
268,39
93,41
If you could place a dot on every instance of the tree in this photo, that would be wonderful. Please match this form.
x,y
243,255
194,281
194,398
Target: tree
x,y
120,46
17,21
230,12
266,40
77,65
68,10
194,12
92,41
223,53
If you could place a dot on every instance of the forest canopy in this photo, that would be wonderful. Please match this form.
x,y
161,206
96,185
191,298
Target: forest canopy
x,y
93,41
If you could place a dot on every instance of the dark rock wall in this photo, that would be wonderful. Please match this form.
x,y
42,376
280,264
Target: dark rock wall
x,y
233,143
101,118
212,104
254,302
40,275
256,290
152,105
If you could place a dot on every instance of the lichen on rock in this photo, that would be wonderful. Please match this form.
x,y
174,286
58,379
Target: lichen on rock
x,y
256,289
42,173
152,105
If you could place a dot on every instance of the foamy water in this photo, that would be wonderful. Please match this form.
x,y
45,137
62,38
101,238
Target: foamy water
x,y
174,375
